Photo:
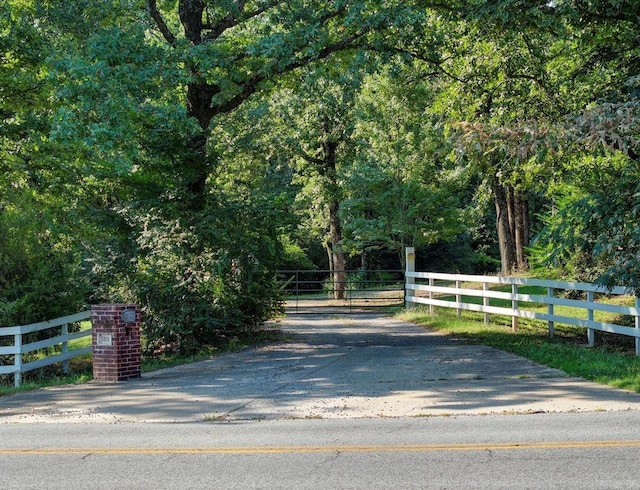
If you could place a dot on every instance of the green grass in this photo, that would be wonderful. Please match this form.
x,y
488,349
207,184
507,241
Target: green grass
x,y
80,371
83,341
542,308
612,361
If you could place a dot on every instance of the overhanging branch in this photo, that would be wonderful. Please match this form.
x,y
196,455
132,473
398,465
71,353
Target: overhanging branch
x,y
234,18
162,25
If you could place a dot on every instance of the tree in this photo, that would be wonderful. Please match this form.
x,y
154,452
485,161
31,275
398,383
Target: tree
x,y
236,48
137,124
200,268
141,97
311,121
400,191
513,86
41,273
232,49
593,58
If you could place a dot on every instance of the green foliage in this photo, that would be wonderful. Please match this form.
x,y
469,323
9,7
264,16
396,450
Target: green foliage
x,y
121,155
40,274
594,233
202,281
399,190
293,256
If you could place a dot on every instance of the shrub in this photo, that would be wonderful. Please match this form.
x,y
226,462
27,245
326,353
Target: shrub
x,y
198,282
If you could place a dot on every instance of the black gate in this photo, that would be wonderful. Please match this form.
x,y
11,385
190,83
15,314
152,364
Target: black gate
x,y
318,291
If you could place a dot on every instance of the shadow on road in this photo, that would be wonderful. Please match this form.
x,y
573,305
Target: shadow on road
x,y
366,365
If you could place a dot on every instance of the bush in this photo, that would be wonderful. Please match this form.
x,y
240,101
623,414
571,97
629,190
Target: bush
x,y
293,257
198,282
185,308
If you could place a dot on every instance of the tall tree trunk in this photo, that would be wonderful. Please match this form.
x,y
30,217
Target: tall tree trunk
x,y
335,232
512,222
195,172
326,166
521,231
364,261
335,225
198,101
369,214
327,248
506,241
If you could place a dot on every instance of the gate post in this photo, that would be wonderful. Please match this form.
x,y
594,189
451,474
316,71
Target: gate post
x,y
116,342
409,267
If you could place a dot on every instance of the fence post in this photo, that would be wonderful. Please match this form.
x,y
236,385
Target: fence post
x,y
458,299
410,266
485,301
65,347
514,307
17,360
550,323
431,284
590,331
637,325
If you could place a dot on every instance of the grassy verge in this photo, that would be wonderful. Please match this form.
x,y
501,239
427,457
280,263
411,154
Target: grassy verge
x,y
611,361
81,368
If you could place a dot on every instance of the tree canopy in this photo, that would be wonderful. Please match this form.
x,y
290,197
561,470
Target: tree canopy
x,y
176,153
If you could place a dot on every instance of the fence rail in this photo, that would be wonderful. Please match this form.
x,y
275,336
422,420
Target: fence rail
x,y
451,291
19,348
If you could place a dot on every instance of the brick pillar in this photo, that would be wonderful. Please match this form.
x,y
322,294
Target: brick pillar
x,y
116,342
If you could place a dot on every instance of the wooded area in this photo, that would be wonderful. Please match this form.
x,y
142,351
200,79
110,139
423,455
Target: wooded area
x,y
177,153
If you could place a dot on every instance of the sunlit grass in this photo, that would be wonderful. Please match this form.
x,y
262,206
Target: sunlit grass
x,y
560,310
83,341
80,371
612,361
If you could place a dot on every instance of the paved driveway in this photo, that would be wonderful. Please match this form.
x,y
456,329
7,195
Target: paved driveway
x,y
332,367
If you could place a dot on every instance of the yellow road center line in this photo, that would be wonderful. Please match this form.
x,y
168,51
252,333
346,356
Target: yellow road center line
x,y
512,446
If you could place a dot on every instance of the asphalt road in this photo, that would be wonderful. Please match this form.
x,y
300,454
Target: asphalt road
x,y
347,402
594,450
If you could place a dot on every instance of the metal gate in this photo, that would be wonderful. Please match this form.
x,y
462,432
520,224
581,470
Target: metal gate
x,y
317,291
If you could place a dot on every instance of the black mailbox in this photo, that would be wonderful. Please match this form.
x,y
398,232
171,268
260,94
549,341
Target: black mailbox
x,y
129,316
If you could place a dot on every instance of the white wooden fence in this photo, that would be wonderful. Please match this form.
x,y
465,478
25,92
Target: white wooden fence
x,y
18,349
447,290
